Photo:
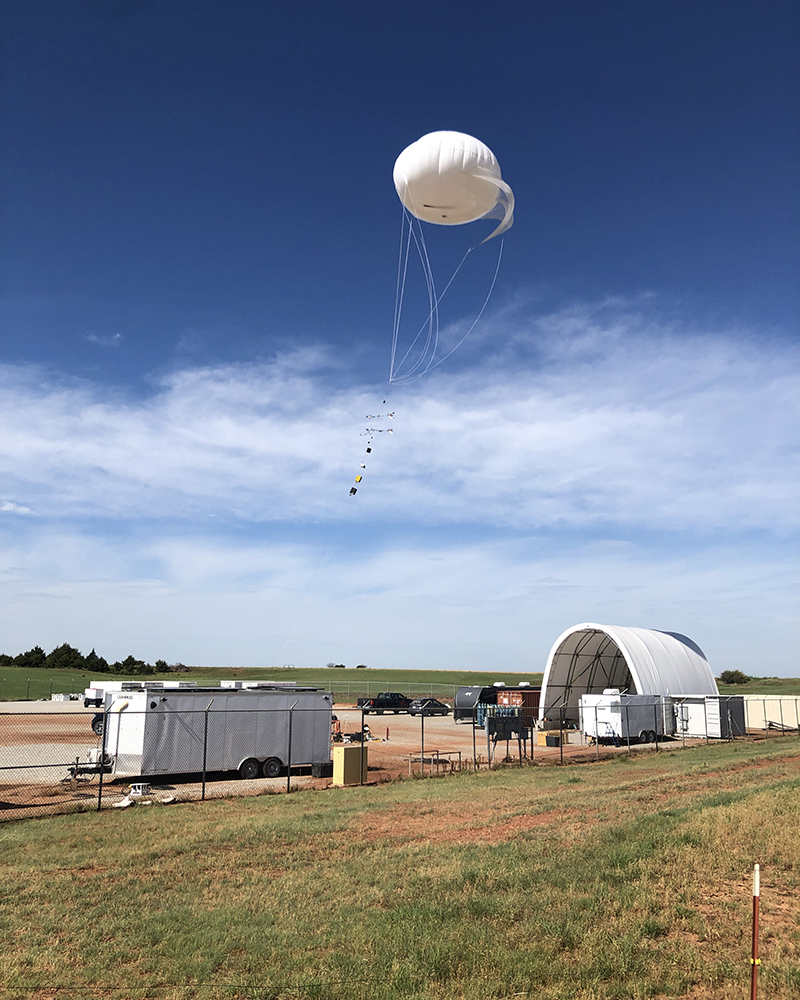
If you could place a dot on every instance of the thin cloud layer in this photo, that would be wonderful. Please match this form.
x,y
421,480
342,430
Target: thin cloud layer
x,y
585,417
491,605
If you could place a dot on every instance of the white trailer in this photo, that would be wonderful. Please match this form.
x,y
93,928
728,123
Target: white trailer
x,y
97,693
713,716
151,731
616,717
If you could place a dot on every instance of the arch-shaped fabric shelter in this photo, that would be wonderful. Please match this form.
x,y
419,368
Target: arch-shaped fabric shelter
x,y
588,658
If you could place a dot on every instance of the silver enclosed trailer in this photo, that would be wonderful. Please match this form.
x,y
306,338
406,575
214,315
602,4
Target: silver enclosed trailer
x,y
260,731
613,716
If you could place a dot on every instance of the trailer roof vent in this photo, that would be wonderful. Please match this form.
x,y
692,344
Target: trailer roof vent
x,y
524,684
499,684
611,691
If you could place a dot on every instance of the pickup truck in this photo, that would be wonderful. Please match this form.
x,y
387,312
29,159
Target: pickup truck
x,y
386,701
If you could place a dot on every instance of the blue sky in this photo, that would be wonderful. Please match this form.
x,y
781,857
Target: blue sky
x,y
199,254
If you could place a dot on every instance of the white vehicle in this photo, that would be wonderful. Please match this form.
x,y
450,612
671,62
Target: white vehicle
x,y
613,717
164,730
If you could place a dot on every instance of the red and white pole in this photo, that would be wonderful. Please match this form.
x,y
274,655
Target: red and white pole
x,y
755,961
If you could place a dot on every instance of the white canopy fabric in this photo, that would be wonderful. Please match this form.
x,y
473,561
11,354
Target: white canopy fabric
x,y
589,657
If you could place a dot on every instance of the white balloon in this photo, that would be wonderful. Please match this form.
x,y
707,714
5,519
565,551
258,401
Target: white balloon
x,y
450,179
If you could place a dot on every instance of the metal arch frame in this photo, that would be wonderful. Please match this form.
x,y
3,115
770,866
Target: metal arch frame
x,y
575,671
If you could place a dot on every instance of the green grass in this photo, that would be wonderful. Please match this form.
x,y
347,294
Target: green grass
x,y
764,685
632,882
17,683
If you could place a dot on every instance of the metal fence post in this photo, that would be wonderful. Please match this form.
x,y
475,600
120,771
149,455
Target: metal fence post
x,y
474,747
422,743
628,725
28,692
102,758
361,756
766,727
780,707
705,718
289,751
205,747
596,736
561,734
655,720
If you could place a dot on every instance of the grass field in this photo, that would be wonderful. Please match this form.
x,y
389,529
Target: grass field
x,y
18,684
625,879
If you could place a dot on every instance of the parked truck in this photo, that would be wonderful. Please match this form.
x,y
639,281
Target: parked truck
x,y
386,701
263,731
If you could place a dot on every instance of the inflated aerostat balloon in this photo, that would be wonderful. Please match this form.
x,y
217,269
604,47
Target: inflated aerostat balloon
x,y
449,179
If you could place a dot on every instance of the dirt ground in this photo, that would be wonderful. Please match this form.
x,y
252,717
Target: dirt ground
x,y
394,751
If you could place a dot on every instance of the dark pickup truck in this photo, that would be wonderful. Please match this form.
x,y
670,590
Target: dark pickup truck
x,y
386,701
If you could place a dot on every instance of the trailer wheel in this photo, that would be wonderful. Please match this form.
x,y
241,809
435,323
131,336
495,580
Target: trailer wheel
x,y
644,736
272,767
653,737
249,769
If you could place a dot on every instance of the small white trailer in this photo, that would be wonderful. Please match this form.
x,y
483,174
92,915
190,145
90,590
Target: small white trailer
x,y
613,717
714,716
262,731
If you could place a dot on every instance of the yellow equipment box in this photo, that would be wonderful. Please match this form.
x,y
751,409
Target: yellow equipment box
x,y
557,737
350,764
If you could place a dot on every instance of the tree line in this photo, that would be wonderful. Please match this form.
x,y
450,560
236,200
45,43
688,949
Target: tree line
x,y
66,657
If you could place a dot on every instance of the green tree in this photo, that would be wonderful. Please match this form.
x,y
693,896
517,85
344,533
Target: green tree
x,y
97,664
734,677
66,657
130,665
6,660
161,666
32,659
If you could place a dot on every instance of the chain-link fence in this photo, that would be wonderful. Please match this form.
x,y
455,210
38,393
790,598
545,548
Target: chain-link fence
x,y
40,686
58,757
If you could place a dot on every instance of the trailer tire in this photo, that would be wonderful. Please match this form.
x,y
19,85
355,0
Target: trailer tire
x,y
249,769
644,736
653,737
272,767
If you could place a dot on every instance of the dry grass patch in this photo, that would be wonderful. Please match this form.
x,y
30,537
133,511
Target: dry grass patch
x,y
594,882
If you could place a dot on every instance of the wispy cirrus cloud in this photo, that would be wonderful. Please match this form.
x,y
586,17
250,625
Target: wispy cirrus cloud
x,y
490,604
583,417
110,340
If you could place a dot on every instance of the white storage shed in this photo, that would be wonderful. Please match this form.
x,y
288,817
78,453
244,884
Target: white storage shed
x,y
588,658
